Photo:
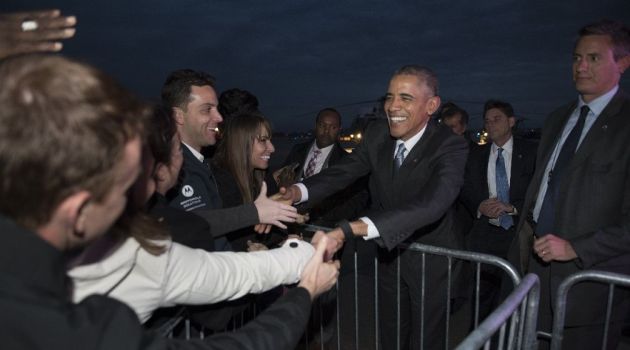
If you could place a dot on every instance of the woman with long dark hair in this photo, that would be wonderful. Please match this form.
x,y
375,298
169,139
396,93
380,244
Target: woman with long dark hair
x,y
240,164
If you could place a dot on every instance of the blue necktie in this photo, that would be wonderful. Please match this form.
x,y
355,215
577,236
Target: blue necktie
x,y
503,189
546,217
399,157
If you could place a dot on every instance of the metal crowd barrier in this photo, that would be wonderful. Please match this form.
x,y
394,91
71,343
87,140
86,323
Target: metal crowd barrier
x,y
368,338
355,320
525,297
612,279
465,256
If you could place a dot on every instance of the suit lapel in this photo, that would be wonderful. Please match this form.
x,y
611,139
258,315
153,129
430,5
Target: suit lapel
x,y
417,153
518,162
551,131
598,131
333,155
483,170
304,158
386,153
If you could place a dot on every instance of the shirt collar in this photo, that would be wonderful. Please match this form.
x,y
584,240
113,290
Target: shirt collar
x,y
508,146
597,105
409,144
195,152
322,150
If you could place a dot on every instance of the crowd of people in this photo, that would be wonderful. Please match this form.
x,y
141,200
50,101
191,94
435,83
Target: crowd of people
x,y
114,211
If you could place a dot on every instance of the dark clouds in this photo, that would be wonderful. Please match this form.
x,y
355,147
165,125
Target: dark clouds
x,y
300,56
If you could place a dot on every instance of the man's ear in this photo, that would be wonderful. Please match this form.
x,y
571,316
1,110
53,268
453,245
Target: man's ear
x,y
434,104
178,114
512,121
66,220
623,64
77,205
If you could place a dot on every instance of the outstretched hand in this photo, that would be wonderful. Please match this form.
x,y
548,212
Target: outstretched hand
x,y
334,242
319,275
34,31
291,194
271,212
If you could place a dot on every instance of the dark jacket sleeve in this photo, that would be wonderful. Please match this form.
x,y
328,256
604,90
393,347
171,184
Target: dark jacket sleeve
x,y
279,327
226,220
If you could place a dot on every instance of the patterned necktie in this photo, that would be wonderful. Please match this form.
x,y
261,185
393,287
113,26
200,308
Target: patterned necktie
x,y
312,164
503,189
399,157
546,217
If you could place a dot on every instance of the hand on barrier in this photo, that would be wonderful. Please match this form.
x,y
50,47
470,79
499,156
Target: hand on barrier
x,y
319,275
271,212
34,31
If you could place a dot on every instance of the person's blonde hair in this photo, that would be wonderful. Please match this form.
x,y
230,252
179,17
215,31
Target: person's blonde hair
x,y
63,129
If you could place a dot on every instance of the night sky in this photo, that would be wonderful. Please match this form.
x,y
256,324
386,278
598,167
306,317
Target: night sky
x,y
301,56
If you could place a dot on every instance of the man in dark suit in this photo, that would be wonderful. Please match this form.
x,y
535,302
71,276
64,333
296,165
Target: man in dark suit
x,y
313,156
578,202
497,176
321,152
415,170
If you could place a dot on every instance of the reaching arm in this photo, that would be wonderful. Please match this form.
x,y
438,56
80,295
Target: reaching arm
x,y
195,276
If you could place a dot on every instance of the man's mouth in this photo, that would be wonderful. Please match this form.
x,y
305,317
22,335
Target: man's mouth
x,y
397,119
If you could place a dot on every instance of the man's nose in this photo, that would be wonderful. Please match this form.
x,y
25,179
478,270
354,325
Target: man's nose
x,y
581,65
218,117
396,104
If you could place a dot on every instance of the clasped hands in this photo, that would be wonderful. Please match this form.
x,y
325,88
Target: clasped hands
x,y
493,208
276,210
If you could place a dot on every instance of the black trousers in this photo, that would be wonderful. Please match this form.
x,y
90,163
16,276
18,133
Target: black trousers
x,y
574,337
411,314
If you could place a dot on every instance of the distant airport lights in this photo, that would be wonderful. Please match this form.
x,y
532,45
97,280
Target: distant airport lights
x,y
356,137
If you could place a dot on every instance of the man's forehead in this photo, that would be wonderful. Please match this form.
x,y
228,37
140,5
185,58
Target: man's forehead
x,y
594,42
495,113
329,117
405,83
203,95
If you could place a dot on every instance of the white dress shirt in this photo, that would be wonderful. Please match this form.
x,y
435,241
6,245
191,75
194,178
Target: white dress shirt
x,y
508,148
321,158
